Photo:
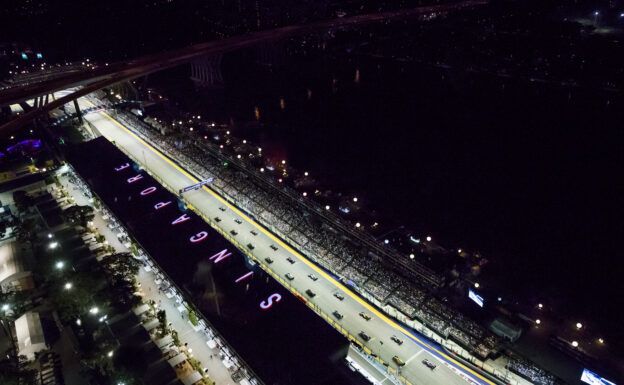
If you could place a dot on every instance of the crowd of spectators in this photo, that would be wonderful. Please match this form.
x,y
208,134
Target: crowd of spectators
x,y
324,245
530,372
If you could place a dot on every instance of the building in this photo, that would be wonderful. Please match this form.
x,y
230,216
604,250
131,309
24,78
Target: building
x,y
29,333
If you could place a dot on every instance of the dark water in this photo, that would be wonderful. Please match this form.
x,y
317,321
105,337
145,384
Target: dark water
x,y
282,342
527,174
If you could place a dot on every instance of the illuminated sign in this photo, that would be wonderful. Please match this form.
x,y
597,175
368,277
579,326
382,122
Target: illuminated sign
x,y
200,236
197,185
475,297
592,378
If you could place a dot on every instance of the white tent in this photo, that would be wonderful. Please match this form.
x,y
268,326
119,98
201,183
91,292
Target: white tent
x,y
29,332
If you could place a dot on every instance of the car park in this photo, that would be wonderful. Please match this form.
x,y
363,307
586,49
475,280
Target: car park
x,y
397,340
312,277
365,316
428,364
337,314
310,293
364,336
290,276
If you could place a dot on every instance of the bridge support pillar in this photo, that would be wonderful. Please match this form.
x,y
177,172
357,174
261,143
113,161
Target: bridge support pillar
x,y
206,71
77,108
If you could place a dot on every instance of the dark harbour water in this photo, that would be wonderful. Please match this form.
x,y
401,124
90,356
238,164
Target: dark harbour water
x,y
284,344
530,175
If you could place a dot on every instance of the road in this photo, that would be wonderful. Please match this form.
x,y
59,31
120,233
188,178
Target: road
x,y
414,348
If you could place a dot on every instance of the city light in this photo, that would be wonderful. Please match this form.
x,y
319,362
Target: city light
x,y
601,340
357,224
411,256
5,307
60,264
459,251
305,173
539,305
386,241
68,286
53,245
94,310
283,162
428,239
575,344
579,325
261,169
110,354
327,207
477,285
537,321
49,235
305,194
354,199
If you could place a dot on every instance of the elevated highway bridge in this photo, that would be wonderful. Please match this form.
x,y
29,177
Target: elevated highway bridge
x,y
107,75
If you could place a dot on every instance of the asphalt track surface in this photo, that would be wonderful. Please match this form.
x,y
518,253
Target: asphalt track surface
x,y
414,349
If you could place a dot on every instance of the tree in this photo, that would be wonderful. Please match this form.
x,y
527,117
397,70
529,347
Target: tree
x,y
122,265
79,214
22,200
193,318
